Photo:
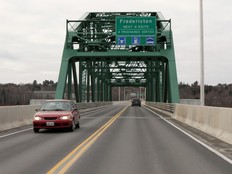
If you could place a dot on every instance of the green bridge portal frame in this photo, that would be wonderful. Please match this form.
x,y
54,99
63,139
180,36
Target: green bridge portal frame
x,y
112,49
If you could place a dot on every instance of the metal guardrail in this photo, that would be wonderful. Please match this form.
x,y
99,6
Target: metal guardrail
x,y
190,101
169,107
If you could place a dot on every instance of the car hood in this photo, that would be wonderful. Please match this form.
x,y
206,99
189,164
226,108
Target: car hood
x,y
52,113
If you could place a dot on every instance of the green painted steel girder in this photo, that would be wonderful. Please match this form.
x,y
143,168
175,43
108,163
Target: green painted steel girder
x,y
98,55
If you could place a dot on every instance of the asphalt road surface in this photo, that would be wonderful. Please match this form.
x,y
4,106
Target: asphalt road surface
x,y
113,140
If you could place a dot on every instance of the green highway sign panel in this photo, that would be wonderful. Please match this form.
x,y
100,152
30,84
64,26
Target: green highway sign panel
x,y
135,26
135,30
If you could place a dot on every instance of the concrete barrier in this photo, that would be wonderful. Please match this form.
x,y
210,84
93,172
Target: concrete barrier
x,y
17,116
212,120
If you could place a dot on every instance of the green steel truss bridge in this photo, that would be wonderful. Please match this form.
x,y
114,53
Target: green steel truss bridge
x,y
112,49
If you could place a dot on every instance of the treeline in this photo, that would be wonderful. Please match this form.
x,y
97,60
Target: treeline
x,y
20,94
219,95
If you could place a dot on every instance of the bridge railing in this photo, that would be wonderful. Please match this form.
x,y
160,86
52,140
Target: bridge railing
x,y
168,107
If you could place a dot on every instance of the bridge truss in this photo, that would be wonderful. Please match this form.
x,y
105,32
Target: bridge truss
x,y
93,61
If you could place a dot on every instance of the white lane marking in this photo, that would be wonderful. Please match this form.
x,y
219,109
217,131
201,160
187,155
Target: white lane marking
x,y
195,139
15,133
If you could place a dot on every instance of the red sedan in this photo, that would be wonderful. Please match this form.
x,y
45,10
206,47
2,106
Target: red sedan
x,y
57,114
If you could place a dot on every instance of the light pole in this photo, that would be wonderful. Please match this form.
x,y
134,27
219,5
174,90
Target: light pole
x,y
124,93
119,91
202,89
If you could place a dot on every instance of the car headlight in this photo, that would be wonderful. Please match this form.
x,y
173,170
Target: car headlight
x,y
37,118
66,117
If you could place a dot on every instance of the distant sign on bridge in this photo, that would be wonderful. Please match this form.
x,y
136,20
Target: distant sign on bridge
x,y
135,30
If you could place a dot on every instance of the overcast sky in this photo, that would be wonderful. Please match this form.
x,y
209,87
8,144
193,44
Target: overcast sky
x,y
32,34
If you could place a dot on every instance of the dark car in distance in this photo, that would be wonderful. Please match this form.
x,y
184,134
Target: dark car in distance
x,y
136,102
54,114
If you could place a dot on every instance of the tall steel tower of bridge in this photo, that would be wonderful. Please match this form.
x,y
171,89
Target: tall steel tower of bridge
x,y
109,49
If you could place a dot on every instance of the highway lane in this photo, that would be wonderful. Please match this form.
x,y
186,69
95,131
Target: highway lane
x,y
137,141
27,152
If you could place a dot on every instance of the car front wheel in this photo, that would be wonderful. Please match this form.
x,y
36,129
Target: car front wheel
x,y
71,129
78,125
36,130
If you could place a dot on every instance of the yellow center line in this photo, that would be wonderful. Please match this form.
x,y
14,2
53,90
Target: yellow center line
x,y
61,167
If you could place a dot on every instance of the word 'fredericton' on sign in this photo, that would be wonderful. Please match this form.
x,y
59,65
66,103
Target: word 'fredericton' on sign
x,y
135,21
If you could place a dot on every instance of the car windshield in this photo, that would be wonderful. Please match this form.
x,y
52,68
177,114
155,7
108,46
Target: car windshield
x,y
136,100
56,106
